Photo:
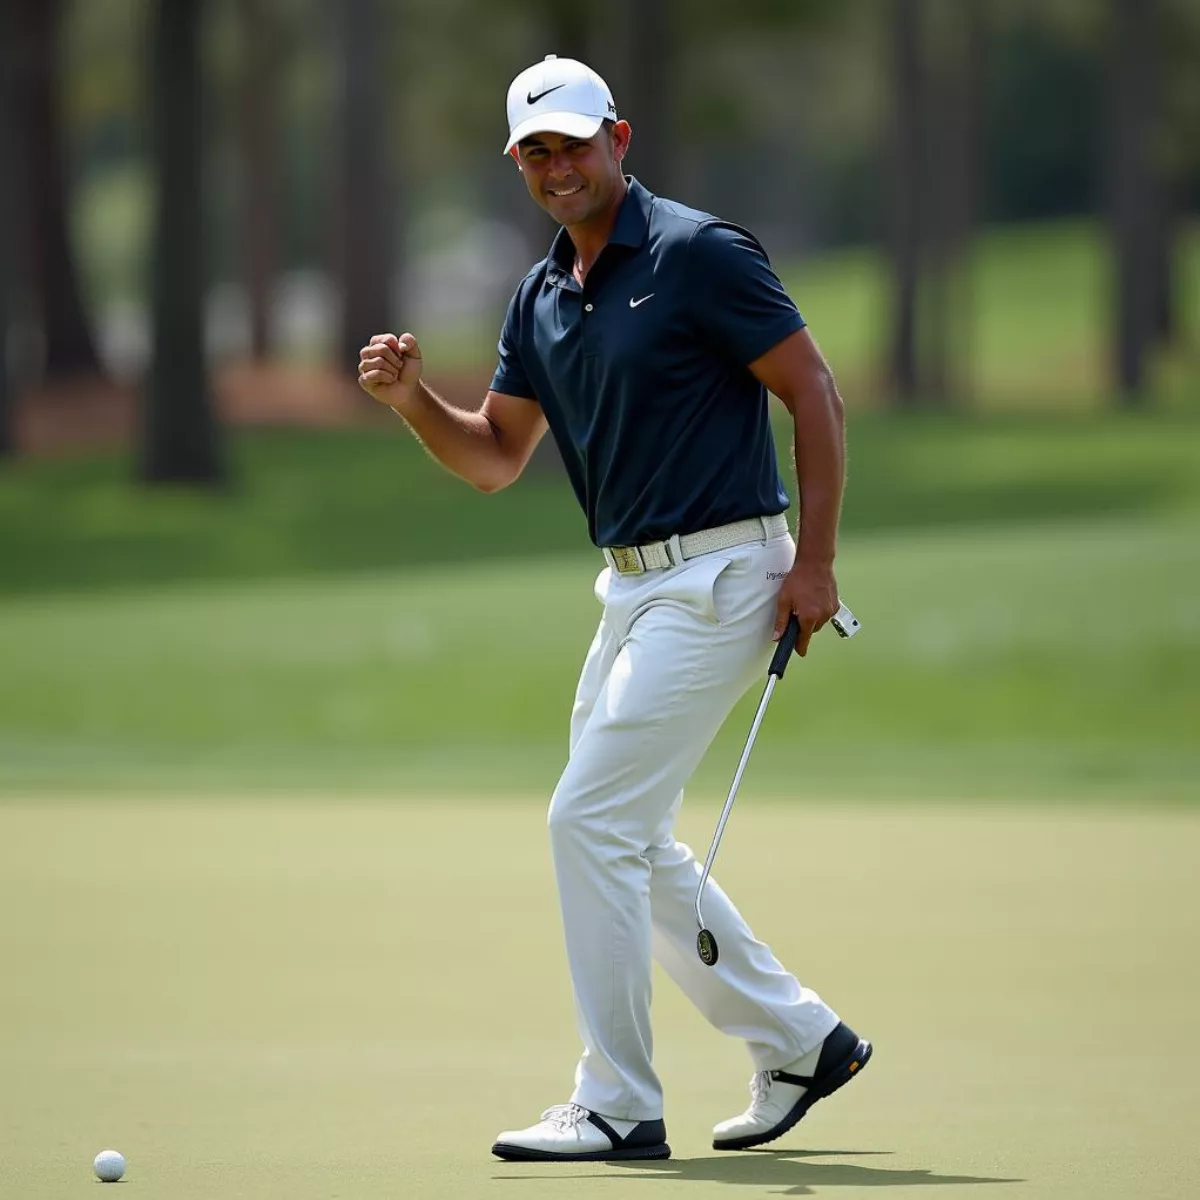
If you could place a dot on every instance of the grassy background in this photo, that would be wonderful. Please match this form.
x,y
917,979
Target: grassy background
x,y
353,617
305,503
1007,662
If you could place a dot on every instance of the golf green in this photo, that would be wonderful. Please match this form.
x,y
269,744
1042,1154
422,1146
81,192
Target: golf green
x,y
349,999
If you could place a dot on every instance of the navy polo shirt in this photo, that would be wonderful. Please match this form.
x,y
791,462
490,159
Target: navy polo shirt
x,y
642,373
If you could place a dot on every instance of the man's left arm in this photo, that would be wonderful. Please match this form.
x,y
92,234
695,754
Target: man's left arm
x,y
796,372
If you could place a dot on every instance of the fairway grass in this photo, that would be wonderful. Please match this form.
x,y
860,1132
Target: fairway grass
x,y
350,1000
1008,662
304,505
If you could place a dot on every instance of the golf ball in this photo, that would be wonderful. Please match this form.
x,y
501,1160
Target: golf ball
x,y
109,1166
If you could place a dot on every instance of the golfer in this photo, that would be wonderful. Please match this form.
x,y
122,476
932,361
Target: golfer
x,y
646,342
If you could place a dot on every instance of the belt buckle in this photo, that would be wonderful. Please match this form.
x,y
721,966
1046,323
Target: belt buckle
x,y
627,560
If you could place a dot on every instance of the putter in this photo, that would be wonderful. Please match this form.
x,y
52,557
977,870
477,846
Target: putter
x,y
846,625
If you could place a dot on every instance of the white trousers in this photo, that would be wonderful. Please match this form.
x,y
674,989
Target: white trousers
x,y
676,648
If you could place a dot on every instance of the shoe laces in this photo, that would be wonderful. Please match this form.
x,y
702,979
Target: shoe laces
x,y
760,1087
564,1117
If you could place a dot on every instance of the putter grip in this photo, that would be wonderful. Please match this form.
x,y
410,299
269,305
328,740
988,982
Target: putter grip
x,y
787,644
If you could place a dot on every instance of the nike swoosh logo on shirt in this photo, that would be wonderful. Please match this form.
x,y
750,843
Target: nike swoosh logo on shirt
x,y
534,99
634,303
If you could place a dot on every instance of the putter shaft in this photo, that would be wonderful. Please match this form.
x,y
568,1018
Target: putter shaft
x,y
772,680
846,625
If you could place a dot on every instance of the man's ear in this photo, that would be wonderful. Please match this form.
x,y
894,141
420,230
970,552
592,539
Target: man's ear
x,y
516,157
622,135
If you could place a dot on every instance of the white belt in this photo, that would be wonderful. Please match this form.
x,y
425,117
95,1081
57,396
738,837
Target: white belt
x,y
636,560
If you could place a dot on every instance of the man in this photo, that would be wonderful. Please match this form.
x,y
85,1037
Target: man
x,y
646,342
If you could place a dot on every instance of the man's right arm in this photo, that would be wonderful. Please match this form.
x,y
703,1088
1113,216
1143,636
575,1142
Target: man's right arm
x,y
488,448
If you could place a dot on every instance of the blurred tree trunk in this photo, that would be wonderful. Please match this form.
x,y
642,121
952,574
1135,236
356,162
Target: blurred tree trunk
x,y
69,346
8,436
367,179
1175,40
570,30
180,435
1131,184
8,433
8,223
953,114
260,164
643,86
905,240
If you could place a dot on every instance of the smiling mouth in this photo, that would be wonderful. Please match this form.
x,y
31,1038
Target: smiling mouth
x,y
566,192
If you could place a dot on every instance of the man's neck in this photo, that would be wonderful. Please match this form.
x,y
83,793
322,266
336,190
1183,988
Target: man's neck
x,y
590,237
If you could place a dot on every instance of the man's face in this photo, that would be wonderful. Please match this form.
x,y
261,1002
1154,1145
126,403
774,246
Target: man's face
x,y
573,179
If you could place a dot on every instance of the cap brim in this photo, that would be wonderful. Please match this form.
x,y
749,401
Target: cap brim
x,y
568,123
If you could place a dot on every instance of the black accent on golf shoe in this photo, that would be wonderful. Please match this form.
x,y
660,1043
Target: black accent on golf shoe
x,y
645,1134
838,1045
647,1139
843,1055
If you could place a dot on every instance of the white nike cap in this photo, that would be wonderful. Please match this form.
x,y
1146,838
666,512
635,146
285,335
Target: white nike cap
x,y
557,95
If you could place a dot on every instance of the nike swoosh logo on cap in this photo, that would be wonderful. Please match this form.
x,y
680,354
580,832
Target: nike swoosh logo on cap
x,y
534,99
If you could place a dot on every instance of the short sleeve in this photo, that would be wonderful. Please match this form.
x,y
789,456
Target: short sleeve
x,y
737,300
510,377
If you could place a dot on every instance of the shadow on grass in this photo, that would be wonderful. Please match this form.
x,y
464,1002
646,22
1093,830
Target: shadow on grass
x,y
783,1172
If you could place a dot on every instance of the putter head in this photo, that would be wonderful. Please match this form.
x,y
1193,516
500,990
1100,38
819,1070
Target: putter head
x,y
706,947
844,622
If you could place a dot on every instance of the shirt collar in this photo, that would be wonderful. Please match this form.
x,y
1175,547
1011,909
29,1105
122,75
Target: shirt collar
x,y
633,221
630,229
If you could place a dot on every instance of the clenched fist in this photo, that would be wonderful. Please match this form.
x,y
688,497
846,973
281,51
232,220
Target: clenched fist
x,y
389,368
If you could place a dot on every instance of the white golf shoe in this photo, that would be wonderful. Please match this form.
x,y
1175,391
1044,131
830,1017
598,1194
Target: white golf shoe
x,y
778,1099
568,1133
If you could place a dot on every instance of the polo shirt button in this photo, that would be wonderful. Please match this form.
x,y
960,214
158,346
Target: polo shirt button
x,y
587,308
